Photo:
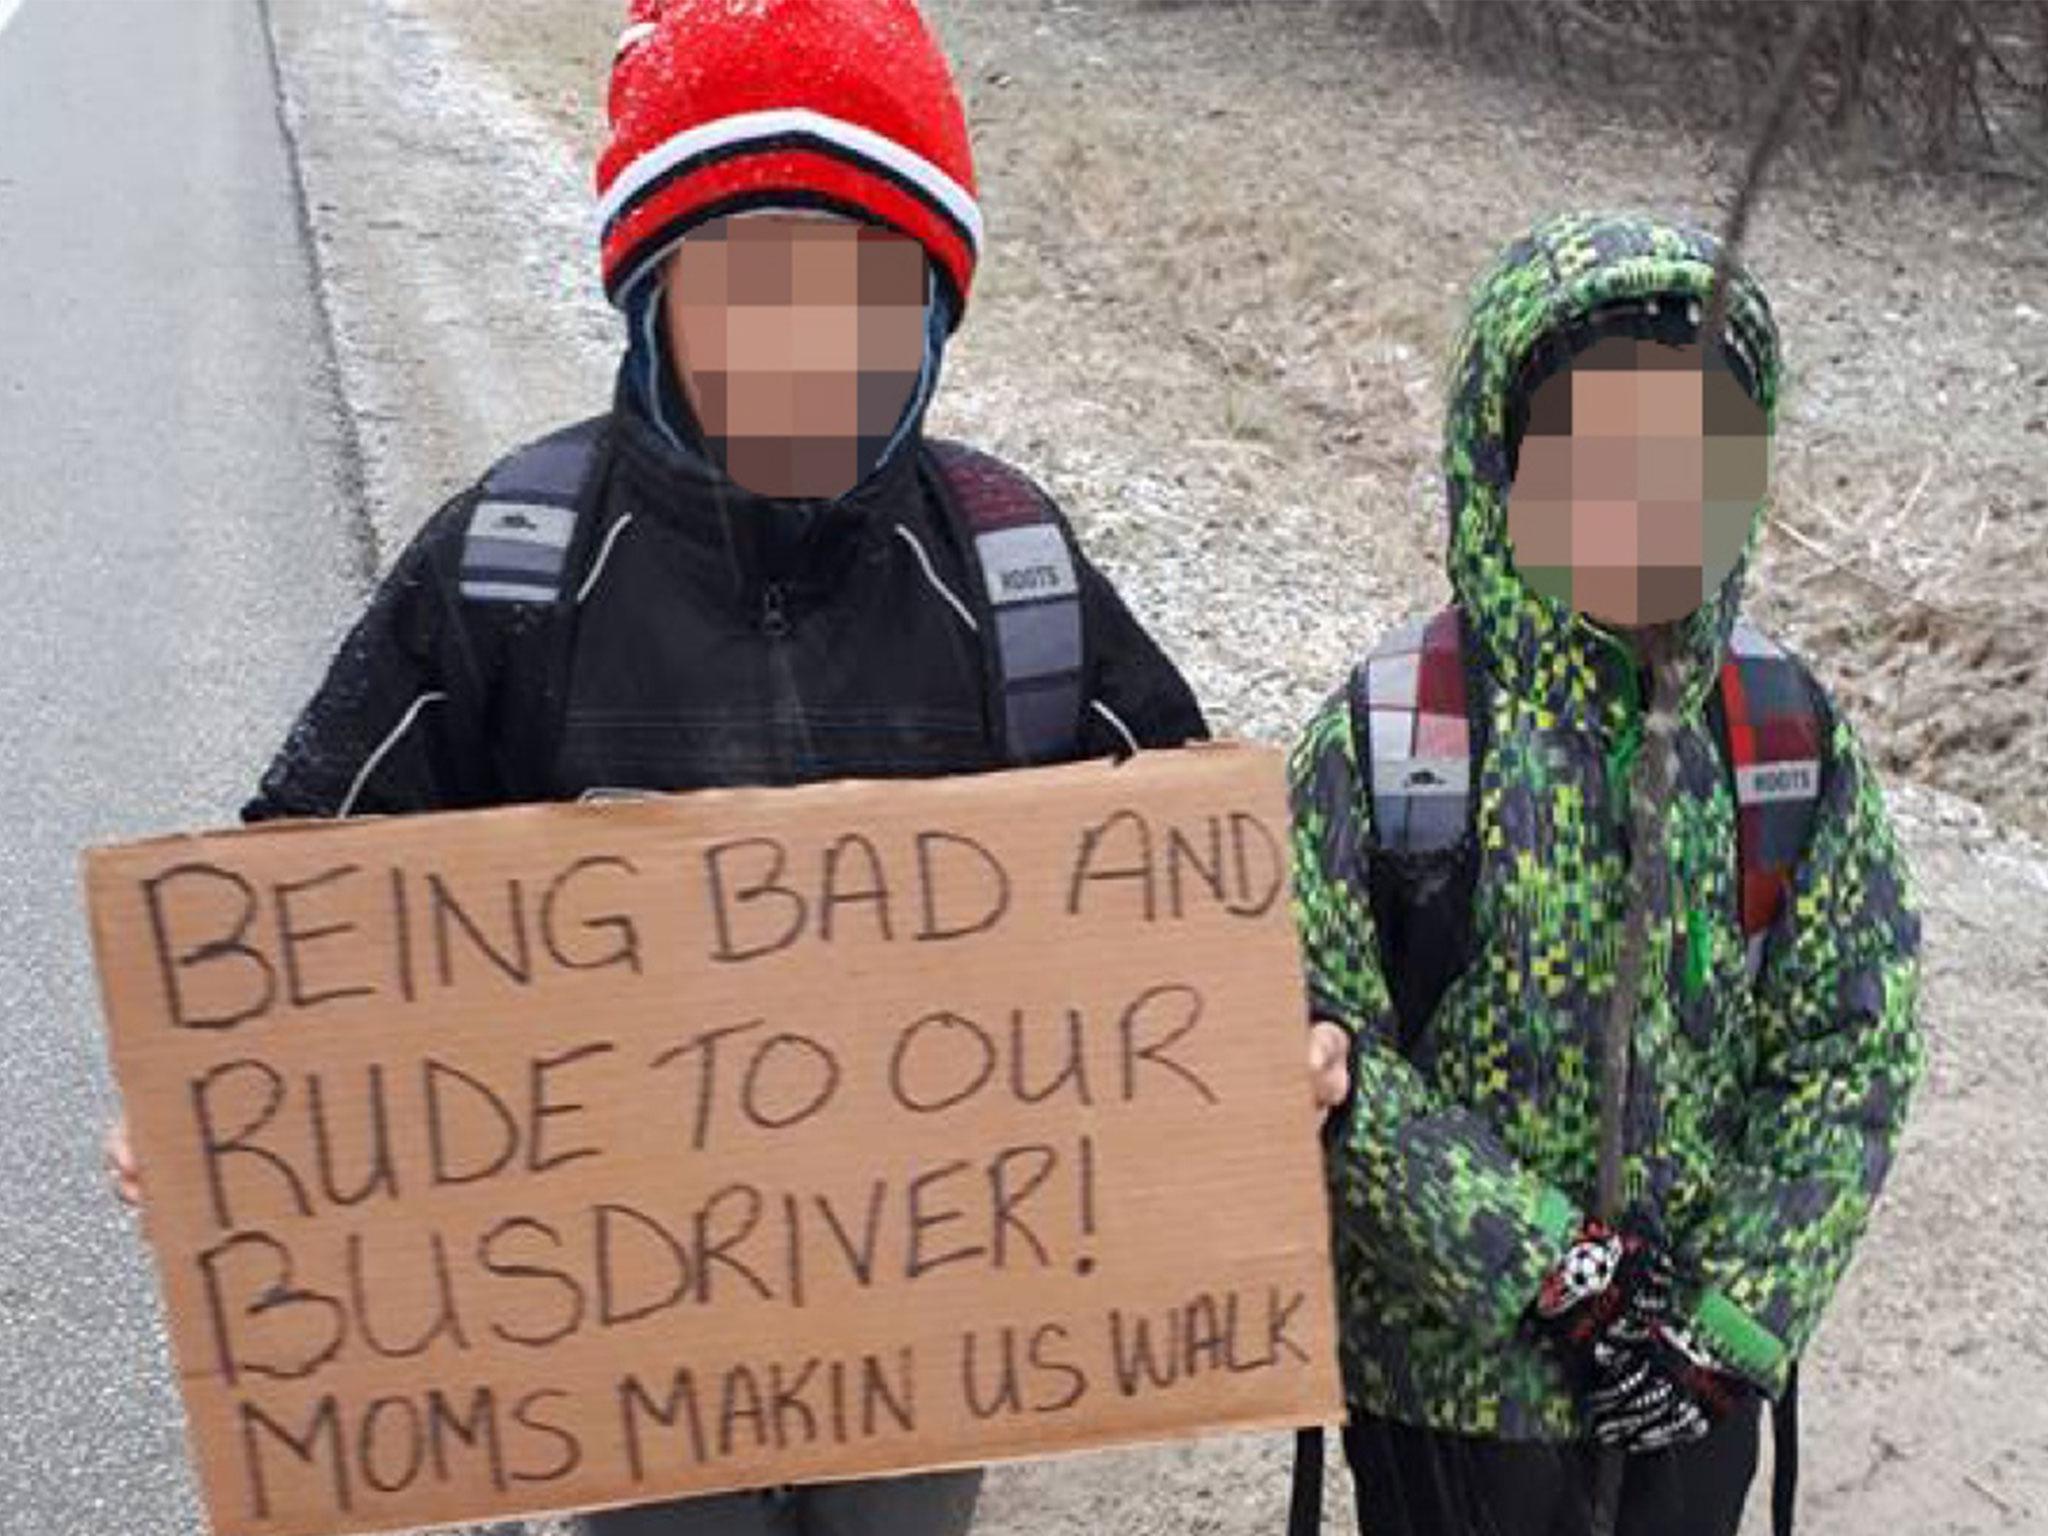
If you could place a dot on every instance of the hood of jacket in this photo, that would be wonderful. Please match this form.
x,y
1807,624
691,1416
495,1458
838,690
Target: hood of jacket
x,y
1563,275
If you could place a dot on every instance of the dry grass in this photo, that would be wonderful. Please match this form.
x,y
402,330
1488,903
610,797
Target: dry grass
x,y
1918,82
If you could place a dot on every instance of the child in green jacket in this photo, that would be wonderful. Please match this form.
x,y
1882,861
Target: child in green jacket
x,y
1588,773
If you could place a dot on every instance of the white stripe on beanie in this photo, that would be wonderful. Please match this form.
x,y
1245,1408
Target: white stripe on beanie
x,y
742,127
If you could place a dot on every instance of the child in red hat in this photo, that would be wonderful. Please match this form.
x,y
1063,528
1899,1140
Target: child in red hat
x,y
753,569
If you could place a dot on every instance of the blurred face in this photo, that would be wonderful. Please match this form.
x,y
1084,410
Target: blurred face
x,y
798,340
1640,471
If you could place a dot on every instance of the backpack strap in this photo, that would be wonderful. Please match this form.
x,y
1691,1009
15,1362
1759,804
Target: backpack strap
x,y
516,548
1418,723
1772,727
1305,1483
527,537
1027,593
1412,730
1785,1456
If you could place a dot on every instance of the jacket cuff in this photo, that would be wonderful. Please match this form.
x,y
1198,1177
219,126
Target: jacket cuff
x,y
1743,1344
1556,1221
1558,1218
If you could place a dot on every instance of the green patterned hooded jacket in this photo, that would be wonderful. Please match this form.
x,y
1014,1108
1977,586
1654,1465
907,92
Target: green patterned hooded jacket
x,y
1764,1115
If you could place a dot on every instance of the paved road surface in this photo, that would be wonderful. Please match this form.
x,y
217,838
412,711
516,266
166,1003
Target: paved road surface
x,y
178,555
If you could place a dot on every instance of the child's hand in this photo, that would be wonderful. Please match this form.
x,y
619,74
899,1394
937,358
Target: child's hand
x,y
1329,1063
1607,1283
122,1170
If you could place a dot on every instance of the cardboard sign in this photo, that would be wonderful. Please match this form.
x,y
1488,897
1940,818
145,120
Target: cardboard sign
x,y
558,1157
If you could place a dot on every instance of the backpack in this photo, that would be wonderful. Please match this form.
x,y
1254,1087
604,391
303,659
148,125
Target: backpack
x,y
1418,721
533,550
1418,707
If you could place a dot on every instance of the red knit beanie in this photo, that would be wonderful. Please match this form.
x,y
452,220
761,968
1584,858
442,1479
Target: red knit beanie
x,y
722,105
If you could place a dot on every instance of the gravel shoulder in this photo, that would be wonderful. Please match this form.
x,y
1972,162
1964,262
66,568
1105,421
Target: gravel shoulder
x,y
1225,264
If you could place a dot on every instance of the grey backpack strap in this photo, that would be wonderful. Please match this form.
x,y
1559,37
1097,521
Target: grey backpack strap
x,y
1412,731
1027,582
516,549
519,557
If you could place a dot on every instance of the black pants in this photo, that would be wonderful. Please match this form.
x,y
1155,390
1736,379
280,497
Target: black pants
x,y
1412,1482
923,1504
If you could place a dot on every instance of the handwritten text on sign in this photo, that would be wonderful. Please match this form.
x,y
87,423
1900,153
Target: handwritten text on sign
x,y
557,1157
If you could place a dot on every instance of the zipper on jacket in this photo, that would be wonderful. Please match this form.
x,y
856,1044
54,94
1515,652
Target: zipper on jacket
x,y
786,699
1628,741
1696,943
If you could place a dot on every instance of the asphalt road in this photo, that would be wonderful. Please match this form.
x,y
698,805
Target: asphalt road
x,y
180,553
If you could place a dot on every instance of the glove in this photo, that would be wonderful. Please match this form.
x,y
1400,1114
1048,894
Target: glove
x,y
1655,1387
1650,1385
1604,1278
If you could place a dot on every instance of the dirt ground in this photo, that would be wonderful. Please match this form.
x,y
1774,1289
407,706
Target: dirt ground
x,y
1225,261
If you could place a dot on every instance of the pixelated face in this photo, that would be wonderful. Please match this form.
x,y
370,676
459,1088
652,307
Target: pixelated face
x,y
798,338
1640,471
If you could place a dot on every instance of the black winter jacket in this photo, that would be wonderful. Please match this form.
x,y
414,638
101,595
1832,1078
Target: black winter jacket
x,y
713,639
